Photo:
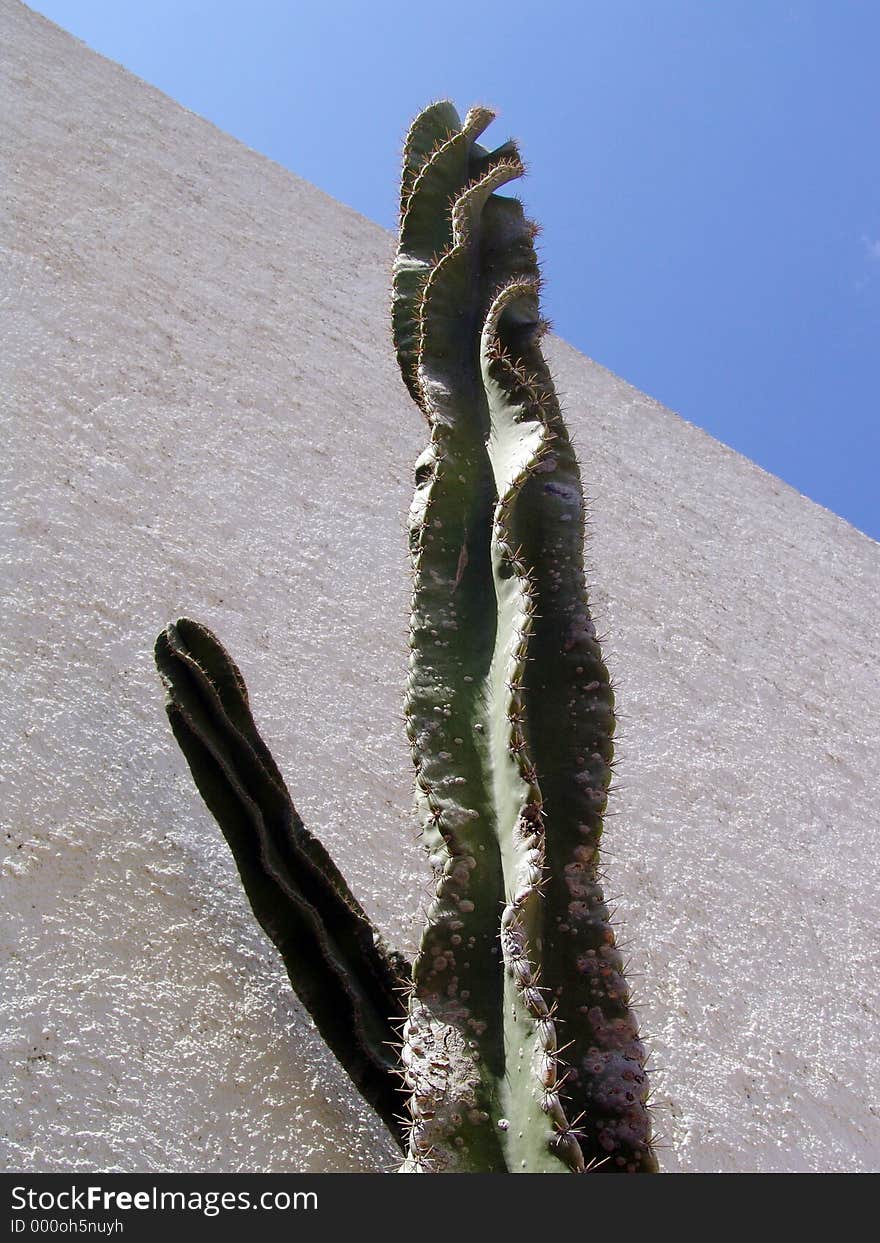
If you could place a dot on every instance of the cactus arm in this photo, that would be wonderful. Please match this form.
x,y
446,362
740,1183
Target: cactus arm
x,y
337,963
538,1137
452,1048
567,733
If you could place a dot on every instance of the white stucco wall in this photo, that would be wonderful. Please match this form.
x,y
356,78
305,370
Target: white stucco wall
x,y
202,414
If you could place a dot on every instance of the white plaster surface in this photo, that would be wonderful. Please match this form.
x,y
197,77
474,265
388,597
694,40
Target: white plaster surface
x,y
202,414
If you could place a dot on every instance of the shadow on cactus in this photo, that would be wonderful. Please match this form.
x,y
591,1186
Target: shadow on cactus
x,y
511,1033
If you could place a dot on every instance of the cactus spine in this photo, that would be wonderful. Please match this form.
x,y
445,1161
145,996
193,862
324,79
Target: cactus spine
x,y
510,712
517,1045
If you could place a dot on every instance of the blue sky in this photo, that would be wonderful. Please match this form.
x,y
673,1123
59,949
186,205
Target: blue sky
x,y
705,173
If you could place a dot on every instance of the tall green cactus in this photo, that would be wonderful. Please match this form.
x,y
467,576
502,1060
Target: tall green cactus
x,y
519,1049
510,711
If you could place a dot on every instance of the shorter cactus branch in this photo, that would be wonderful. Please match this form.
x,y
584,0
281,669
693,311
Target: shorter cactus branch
x,y
339,967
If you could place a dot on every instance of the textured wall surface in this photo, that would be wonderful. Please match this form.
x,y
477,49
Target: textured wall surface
x,y
202,414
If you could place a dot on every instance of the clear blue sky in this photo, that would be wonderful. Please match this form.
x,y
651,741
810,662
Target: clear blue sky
x,y
705,172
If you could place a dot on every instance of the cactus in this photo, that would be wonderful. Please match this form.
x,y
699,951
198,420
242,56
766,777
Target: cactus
x,y
518,1048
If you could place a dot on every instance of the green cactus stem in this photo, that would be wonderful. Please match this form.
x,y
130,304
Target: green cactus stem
x,y
337,962
510,712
